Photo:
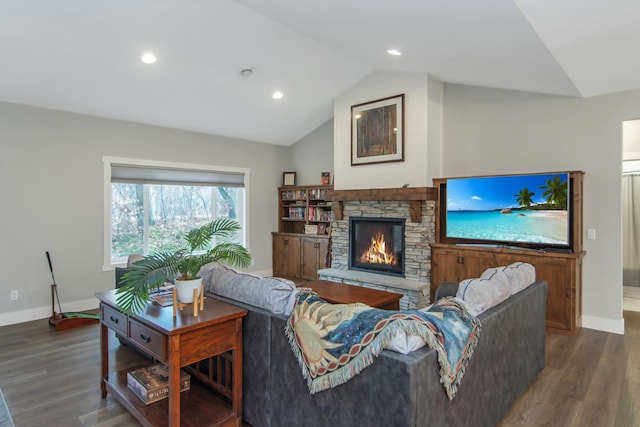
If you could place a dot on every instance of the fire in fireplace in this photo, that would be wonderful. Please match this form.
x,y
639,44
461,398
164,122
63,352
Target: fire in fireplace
x,y
376,245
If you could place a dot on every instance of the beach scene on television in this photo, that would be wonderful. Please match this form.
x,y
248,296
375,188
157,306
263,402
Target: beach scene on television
x,y
522,208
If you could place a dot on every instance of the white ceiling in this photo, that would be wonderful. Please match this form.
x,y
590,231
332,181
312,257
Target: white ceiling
x,y
84,55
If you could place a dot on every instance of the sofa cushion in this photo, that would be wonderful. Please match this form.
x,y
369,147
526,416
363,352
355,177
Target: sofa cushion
x,y
520,275
270,293
485,292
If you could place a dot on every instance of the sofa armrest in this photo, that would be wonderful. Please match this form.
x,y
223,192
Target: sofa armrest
x,y
446,289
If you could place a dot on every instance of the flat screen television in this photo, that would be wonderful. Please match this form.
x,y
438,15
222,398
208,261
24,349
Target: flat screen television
x,y
530,211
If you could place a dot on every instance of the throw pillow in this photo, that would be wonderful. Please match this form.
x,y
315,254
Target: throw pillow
x,y
270,293
485,292
520,275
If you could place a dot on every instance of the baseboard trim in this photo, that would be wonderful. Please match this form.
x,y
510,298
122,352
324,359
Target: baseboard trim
x,y
37,313
601,324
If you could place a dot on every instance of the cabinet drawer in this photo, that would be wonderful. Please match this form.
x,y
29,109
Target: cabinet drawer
x,y
114,319
151,341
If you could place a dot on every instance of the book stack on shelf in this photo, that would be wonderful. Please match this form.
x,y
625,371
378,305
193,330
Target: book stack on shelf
x,y
294,194
320,213
296,212
151,383
317,193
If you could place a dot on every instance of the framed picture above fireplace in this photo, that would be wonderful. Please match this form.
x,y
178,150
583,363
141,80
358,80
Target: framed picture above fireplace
x,y
377,131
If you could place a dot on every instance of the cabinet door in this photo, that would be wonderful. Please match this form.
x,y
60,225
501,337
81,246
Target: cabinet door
x,y
561,293
444,268
314,251
473,263
286,256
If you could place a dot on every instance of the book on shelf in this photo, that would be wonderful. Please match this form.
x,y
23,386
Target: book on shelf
x,y
325,178
151,383
164,299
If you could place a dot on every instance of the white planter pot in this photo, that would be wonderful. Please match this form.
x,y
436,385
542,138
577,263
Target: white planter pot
x,y
185,288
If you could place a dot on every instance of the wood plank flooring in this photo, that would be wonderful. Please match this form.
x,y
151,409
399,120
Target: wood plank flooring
x,y
52,379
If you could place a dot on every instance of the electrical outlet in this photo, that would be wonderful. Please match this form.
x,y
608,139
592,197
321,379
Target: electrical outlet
x,y
14,295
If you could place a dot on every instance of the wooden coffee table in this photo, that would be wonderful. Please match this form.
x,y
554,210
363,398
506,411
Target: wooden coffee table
x,y
339,293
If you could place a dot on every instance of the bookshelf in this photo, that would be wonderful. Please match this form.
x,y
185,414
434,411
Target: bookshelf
x,y
300,206
301,243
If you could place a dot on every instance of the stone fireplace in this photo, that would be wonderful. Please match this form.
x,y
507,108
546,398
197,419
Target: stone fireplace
x,y
415,207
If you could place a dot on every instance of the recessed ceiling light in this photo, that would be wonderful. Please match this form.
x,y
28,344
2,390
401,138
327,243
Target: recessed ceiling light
x,y
394,52
246,72
148,58
277,94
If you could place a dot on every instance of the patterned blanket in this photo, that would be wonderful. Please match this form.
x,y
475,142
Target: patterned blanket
x,y
334,342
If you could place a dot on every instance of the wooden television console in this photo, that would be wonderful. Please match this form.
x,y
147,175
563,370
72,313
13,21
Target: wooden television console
x,y
562,270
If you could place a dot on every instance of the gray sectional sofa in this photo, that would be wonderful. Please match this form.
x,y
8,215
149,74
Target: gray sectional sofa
x,y
397,389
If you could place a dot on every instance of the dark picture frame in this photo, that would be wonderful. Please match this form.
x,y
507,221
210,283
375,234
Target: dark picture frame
x,y
288,179
377,131
322,228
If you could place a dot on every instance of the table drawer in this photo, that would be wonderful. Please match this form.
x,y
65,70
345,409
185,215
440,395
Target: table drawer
x,y
151,341
114,319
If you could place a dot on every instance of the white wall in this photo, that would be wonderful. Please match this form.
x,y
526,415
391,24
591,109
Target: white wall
x,y
422,155
489,131
313,154
51,195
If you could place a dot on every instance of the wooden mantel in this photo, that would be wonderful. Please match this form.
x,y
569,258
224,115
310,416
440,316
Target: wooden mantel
x,y
415,196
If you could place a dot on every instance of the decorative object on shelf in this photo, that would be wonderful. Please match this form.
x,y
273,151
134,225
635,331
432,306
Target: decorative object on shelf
x,y
322,228
311,229
155,269
377,131
325,178
151,383
288,178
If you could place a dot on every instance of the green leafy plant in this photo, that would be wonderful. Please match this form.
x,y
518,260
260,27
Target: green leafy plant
x,y
184,264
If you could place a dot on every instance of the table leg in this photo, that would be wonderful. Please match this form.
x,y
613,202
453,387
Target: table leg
x,y
174,380
104,358
237,374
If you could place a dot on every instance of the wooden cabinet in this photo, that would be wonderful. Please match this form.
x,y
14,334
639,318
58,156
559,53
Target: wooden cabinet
x,y
286,255
314,252
562,271
453,265
298,256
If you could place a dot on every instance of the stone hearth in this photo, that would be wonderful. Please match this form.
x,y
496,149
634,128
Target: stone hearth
x,y
417,205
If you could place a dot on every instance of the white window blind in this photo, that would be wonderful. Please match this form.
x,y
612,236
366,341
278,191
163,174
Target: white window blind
x,y
159,175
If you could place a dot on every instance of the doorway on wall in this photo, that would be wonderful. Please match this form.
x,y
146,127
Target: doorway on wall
x,y
631,215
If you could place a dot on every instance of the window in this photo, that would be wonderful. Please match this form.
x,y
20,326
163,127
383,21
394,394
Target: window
x,y
151,205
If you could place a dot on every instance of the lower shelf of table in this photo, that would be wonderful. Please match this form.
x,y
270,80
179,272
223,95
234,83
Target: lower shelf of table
x,y
199,406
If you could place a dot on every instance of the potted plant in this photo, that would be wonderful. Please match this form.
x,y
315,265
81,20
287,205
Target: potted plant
x,y
182,265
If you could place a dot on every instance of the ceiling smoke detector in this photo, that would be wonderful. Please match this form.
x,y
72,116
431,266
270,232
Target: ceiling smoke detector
x,y
246,72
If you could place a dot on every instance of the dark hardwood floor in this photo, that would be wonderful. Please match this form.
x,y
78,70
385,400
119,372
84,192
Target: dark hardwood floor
x,y
52,379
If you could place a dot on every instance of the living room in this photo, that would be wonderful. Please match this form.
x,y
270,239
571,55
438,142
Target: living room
x,y
52,169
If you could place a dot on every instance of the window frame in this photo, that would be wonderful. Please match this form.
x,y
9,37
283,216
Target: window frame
x,y
109,161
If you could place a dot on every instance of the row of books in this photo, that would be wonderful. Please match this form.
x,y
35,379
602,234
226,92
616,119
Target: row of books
x,y
296,212
317,193
151,383
314,194
293,194
319,214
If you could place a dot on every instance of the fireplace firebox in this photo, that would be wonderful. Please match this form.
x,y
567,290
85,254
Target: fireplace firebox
x,y
376,245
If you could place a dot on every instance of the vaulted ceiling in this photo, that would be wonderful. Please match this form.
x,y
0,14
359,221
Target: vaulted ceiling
x,y
84,55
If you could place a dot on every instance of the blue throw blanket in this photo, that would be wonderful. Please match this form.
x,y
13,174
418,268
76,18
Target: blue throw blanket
x,y
334,342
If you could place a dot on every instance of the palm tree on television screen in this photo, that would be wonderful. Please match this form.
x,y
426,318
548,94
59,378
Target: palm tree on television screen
x,y
555,192
524,197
